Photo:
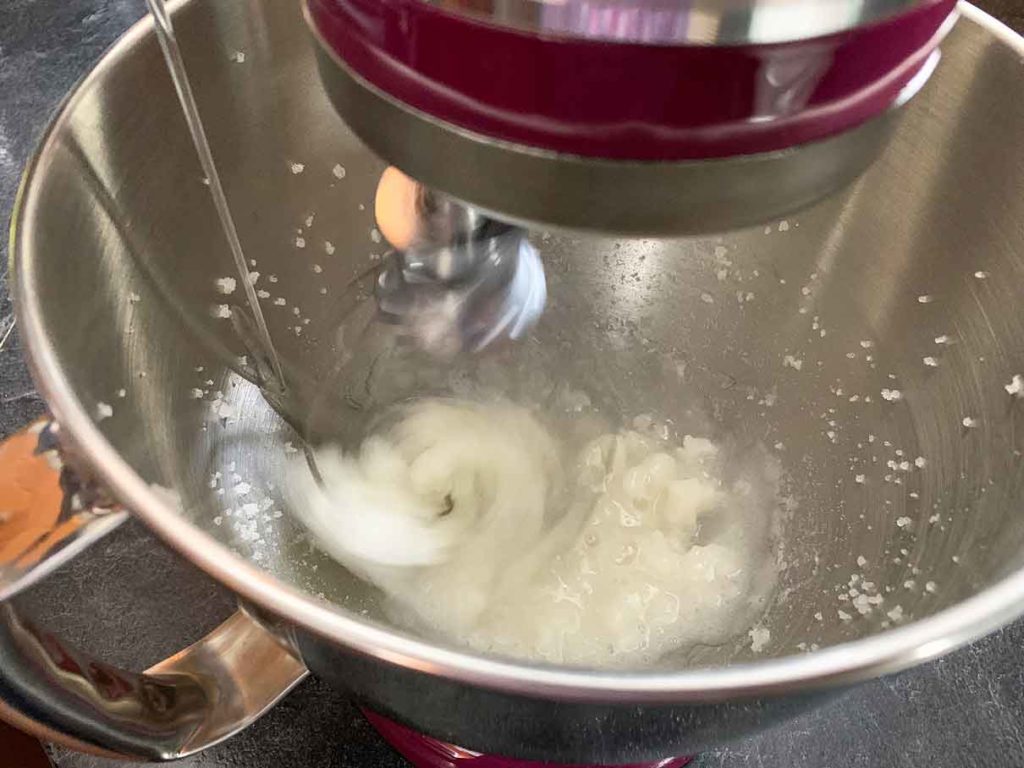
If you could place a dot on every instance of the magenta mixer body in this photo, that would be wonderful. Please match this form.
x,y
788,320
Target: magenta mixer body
x,y
630,116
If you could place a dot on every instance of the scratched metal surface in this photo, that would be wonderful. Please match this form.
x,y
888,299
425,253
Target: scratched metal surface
x,y
134,602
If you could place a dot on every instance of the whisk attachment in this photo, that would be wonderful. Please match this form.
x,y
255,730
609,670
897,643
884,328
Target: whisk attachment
x,y
457,280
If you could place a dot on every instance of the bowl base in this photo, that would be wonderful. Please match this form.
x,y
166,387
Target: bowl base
x,y
426,752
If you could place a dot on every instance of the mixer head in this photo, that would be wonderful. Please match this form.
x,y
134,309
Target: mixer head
x,y
628,116
641,117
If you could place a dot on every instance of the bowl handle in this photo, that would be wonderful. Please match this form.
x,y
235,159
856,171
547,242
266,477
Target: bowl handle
x,y
188,702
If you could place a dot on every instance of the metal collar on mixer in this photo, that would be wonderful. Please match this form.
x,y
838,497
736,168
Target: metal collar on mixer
x,y
562,190
706,22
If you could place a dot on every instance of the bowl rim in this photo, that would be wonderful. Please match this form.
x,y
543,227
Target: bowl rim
x,y
846,663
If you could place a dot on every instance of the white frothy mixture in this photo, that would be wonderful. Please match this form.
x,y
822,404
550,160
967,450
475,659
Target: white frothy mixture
x,y
465,514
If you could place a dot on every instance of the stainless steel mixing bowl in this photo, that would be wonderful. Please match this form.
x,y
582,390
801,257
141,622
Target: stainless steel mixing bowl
x,y
877,328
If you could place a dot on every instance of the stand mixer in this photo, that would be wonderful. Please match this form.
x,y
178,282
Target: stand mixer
x,y
637,117
642,117
870,346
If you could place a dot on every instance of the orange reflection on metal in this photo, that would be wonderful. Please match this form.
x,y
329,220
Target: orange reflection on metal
x,y
395,208
30,501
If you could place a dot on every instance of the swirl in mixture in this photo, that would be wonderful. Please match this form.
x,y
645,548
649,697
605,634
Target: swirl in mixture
x,y
466,515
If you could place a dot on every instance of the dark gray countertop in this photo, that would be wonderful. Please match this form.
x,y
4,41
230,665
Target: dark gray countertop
x,y
964,710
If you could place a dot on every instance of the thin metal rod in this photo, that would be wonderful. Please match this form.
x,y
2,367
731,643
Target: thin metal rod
x,y
176,65
7,333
